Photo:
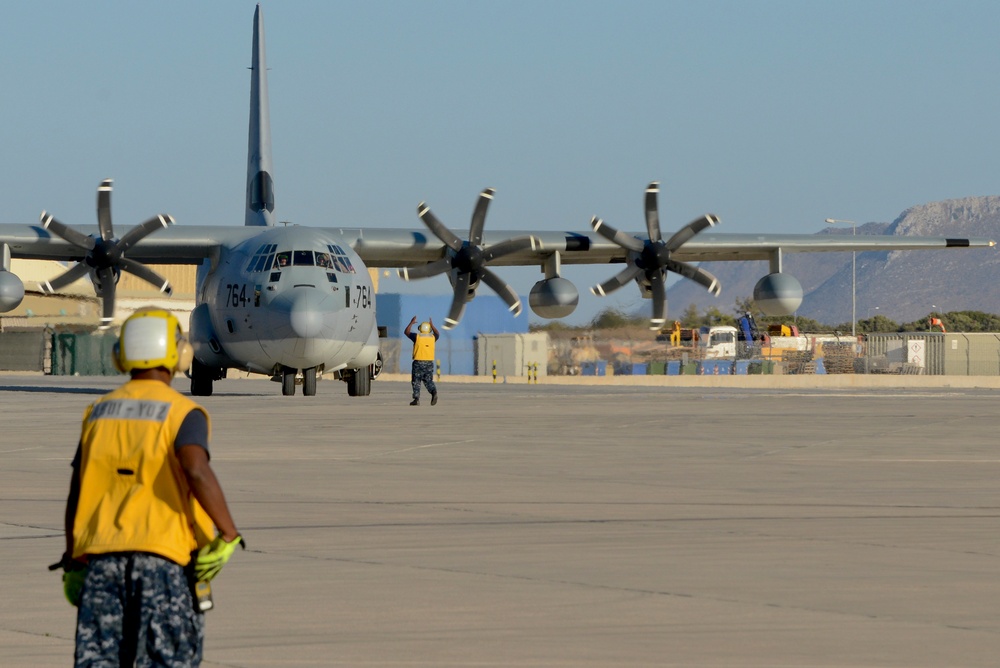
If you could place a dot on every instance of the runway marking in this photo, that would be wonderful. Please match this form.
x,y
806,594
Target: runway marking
x,y
746,601
417,447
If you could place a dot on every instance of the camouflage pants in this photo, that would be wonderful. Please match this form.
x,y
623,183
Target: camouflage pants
x,y
137,608
422,372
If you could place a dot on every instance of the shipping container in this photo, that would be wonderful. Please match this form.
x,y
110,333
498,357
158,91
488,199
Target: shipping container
x,y
513,354
892,353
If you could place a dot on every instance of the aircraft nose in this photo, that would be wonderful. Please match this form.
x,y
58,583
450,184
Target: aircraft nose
x,y
304,311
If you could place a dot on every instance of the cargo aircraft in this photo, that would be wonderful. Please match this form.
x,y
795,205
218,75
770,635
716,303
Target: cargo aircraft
x,y
295,301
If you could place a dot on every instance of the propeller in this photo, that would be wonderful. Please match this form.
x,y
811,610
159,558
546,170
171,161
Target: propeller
x,y
105,255
468,259
649,259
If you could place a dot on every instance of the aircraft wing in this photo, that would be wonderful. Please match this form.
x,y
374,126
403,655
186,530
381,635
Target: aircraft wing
x,y
172,245
409,248
417,254
398,247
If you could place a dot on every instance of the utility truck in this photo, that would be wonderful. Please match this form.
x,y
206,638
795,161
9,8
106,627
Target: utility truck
x,y
715,342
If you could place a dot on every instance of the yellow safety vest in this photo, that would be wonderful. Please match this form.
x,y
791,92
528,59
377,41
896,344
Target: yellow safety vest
x,y
423,348
134,496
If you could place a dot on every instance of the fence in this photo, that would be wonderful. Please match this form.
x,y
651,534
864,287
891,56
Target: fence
x,y
58,353
924,353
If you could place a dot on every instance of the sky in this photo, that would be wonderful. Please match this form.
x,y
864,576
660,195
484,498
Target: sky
x,y
773,115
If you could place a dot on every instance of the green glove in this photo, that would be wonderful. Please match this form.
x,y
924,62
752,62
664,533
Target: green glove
x,y
73,585
214,556
74,573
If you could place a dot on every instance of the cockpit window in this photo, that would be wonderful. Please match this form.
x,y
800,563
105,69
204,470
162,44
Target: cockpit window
x,y
263,258
341,262
302,258
323,260
282,260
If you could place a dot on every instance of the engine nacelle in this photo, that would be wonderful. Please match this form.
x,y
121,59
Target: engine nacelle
x,y
553,297
11,291
778,294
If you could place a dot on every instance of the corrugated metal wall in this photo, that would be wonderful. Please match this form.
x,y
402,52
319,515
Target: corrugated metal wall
x,y
918,350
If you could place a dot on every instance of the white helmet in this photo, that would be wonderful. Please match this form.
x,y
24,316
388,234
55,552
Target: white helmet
x,y
152,338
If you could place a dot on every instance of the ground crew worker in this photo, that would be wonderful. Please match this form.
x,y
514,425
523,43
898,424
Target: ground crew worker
x,y
422,370
143,505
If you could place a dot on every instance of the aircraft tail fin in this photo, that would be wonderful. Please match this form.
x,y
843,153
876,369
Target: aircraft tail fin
x,y
260,185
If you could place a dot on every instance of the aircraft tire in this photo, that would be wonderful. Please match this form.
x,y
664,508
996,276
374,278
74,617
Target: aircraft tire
x,y
360,383
288,382
201,380
309,382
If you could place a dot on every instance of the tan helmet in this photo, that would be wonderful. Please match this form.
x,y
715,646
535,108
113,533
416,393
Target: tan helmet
x,y
425,328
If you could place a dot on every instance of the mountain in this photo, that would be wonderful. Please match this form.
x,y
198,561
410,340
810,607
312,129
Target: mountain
x,y
900,285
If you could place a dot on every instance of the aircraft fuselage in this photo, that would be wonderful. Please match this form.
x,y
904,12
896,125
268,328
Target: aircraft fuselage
x,y
287,298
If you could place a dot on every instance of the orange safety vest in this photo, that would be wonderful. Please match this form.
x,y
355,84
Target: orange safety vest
x,y
134,496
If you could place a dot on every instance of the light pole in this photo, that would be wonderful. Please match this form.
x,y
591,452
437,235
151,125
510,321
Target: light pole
x,y
871,324
854,275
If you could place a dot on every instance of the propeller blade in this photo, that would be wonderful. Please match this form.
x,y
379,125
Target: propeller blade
x,y
652,214
499,286
479,216
621,278
74,273
65,232
458,301
696,274
438,228
142,230
626,241
106,280
146,274
425,270
509,246
683,235
104,209
659,300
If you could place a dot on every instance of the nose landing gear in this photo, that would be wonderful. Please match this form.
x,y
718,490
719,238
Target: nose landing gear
x,y
289,377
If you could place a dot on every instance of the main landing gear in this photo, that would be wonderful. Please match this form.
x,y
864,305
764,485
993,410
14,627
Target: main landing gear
x,y
359,382
202,377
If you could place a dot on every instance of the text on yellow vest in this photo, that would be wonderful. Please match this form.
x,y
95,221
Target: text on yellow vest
x,y
134,495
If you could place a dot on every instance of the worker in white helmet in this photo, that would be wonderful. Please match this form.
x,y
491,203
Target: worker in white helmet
x,y
422,370
146,518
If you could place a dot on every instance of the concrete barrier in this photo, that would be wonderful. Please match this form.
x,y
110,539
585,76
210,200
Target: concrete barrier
x,y
762,382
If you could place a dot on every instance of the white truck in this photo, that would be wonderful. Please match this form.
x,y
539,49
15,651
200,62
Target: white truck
x,y
718,342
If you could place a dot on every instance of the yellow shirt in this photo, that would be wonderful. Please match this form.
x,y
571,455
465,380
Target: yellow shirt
x,y
134,496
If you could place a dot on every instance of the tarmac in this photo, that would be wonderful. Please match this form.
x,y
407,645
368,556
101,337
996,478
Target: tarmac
x,y
518,524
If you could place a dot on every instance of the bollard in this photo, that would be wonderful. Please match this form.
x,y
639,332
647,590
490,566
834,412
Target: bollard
x,y
536,373
439,369
494,372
